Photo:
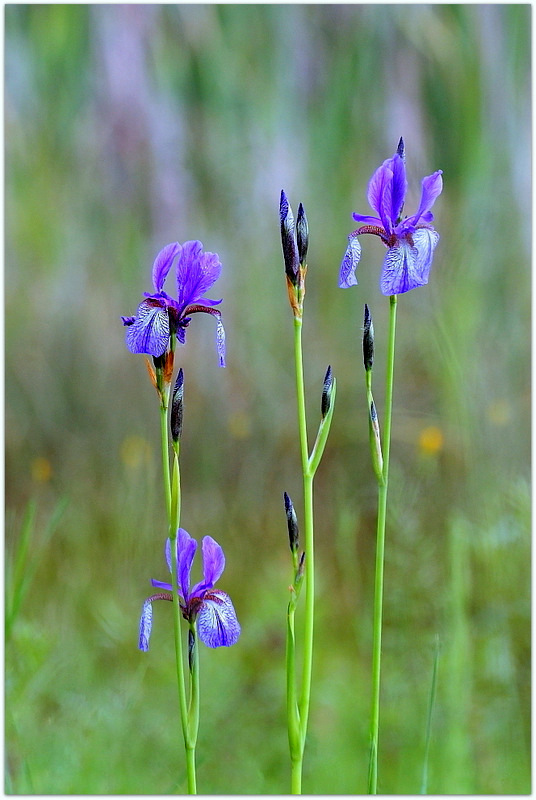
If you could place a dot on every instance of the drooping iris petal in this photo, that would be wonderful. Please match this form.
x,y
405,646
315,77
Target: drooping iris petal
x,y
400,272
349,263
220,341
162,264
146,624
196,272
425,241
149,333
216,622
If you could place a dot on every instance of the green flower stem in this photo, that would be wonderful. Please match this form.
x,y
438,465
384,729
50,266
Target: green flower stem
x,y
380,550
165,451
298,715
172,489
193,710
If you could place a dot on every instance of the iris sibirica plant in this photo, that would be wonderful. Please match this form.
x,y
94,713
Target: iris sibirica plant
x,y
410,243
295,240
160,322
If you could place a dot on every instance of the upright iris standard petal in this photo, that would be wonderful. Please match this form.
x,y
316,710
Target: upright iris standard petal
x,y
162,264
217,623
399,187
432,186
213,560
146,624
196,272
349,263
186,548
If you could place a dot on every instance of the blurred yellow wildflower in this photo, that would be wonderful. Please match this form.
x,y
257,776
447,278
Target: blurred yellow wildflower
x,y
431,440
41,469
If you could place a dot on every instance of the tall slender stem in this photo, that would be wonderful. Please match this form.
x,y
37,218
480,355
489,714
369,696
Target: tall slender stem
x,y
193,710
302,713
380,552
172,489
165,452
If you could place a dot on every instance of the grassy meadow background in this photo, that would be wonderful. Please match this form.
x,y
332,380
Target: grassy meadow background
x,y
130,126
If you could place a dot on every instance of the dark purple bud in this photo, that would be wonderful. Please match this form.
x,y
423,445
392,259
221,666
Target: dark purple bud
x,y
191,651
368,340
288,240
292,522
302,234
177,407
326,392
401,150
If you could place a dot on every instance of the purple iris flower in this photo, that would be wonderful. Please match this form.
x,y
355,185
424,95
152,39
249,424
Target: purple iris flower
x,y
410,241
160,316
217,624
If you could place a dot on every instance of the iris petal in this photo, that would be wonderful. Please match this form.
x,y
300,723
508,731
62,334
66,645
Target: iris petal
x,y
400,272
432,186
162,264
425,241
196,272
186,548
349,263
146,624
149,333
376,186
399,187
213,560
220,341
216,622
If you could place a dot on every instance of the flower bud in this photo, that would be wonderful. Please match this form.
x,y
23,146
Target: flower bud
x,y
368,340
302,234
292,522
192,655
327,390
288,240
177,407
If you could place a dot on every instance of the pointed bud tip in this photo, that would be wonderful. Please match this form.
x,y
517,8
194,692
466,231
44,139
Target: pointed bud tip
x,y
327,389
368,340
401,148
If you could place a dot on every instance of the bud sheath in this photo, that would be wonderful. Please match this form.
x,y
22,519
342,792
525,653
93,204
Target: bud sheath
x,y
177,407
292,522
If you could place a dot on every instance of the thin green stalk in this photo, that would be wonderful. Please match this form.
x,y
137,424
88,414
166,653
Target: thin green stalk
x,y
380,551
193,710
172,489
165,452
299,716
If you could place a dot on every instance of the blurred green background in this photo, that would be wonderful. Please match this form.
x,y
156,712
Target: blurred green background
x,y
130,126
